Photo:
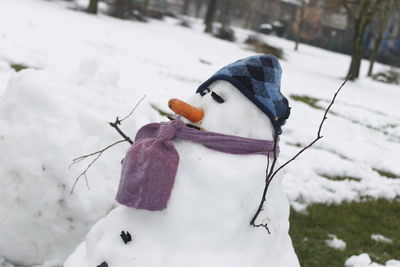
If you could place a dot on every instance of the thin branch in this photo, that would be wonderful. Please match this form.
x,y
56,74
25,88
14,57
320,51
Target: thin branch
x,y
78,159
319,136
116,127
133,109
118,121
98,154
270,171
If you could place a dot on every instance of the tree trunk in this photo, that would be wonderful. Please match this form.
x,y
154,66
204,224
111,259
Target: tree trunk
x,y
145,5
299,27
210,15
92,8
227,13
250,15
185,8
374,54
358,50
199,4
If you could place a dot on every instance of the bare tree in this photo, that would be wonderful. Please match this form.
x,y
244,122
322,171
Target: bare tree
x,y
300,25
185,7
198,6
210,15
145,5
120,8
379,27
92,8
250,14
361,13
226,13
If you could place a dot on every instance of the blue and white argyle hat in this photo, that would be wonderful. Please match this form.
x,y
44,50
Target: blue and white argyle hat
x,y
259,79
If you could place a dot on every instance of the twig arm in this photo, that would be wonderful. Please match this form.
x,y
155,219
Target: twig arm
x,y
98,154
116,127
271,172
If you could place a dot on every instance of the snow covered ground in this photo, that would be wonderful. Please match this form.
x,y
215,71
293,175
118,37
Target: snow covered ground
x,y
85,70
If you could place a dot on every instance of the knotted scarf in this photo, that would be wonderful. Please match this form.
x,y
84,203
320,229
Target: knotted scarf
x,y
150,165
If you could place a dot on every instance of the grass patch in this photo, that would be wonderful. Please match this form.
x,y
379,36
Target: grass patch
x,y
386,173
339,177
18,67
311,101
353,222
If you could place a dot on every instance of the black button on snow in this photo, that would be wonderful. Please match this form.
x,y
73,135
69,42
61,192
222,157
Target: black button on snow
x,y
103,264
126,237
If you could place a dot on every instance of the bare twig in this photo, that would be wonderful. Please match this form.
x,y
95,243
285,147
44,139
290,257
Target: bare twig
x,y
116,127
133,109
270,172
78,159
98,154
118,121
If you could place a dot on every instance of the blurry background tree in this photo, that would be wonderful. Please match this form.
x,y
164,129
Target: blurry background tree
x,y
120,8
92,8
199,5
379,27
361,13
185,8
299,24
210,15
364,29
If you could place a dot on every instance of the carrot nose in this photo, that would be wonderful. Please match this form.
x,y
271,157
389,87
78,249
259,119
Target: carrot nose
x,y
191,113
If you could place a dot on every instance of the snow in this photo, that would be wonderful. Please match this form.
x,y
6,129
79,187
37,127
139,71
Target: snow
x,y
86,70
266,26
335,242
381,238
363,260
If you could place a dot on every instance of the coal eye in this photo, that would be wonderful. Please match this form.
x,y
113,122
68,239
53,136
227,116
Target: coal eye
x,y
217,98
205,91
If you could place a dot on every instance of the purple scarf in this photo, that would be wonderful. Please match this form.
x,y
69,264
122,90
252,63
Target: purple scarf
x,y
151,163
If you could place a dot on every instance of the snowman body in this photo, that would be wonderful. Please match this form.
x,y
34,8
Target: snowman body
x,y
215,195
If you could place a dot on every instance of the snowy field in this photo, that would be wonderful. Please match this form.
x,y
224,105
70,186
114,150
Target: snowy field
x,y
85,70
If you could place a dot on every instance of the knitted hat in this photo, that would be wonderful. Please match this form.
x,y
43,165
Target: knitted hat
x,y
259,79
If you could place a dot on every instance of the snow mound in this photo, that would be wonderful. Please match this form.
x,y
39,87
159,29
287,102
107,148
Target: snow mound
x,y
381,238
46,120
335,242
363,260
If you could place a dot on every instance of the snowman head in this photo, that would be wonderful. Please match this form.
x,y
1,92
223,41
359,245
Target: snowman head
x,y
241,99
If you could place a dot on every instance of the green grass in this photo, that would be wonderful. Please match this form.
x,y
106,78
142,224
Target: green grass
x,y
387,174
18,67
352,222
311,101
340,177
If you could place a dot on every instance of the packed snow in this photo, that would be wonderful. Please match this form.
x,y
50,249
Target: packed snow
x,y
85,70
206,222
363,260
335,242
381,238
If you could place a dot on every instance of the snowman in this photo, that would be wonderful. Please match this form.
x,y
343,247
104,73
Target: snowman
x,y
190,187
